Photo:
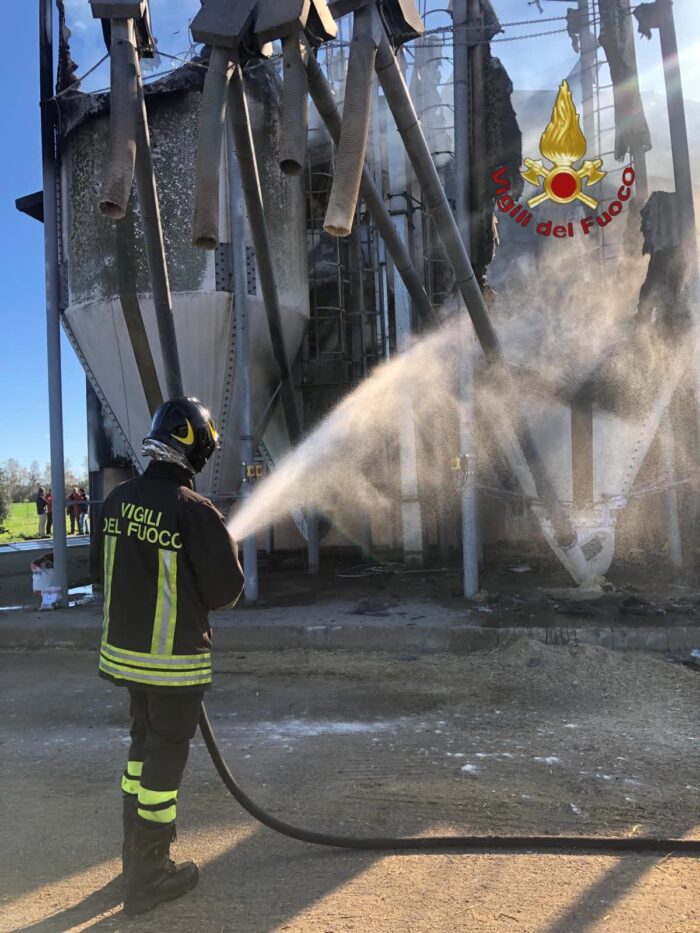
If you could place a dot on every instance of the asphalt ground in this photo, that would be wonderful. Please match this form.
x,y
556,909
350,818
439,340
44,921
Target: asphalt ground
x,y
520,739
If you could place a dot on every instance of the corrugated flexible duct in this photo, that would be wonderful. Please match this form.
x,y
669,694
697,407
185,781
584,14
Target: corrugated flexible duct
x,y
119,172
205,226
295,107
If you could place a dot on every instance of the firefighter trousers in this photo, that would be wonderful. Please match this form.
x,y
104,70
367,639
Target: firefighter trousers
x,y
162,724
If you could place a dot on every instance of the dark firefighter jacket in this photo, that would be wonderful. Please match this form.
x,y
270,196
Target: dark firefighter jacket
x,y
165,559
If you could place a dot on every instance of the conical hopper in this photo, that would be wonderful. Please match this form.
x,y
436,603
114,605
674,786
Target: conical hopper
x,y
106,270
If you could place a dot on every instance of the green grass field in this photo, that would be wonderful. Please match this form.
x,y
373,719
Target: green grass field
x,y
22,524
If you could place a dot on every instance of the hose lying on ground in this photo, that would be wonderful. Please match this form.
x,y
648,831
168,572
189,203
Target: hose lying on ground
x,y
534,844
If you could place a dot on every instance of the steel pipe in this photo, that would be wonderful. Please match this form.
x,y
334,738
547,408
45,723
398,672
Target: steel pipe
x,y
243,360
463,176
155,247
53,313
133,318
250,182
350,159
401,106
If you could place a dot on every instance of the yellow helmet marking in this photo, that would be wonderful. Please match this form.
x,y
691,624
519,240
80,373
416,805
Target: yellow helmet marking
x,y
188,438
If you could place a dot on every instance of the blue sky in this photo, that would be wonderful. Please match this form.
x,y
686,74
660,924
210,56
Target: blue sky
x,y
533,64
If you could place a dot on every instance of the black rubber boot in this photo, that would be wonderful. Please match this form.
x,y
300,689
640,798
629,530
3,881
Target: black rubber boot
x,y
131,805
152,878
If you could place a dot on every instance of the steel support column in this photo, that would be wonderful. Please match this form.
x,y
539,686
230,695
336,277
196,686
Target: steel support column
x,y
53,314
582,405
239,237
673,526
463,165
250,182
682,174
411,517
665,429
313,542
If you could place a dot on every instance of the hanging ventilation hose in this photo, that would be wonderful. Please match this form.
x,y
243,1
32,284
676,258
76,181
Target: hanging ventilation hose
x,y
205,225
350,158
295,107
121,156
540,844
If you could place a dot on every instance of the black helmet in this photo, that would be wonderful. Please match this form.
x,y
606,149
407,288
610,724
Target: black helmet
x,y
187,426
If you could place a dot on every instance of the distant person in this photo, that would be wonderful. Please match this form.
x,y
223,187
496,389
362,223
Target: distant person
x,y
73,510
42,507
49,512
83,513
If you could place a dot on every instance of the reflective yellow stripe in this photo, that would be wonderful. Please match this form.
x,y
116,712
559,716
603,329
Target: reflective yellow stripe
x,y
166,604
172,608
131,779
109,547
148,797
159,816
160,590
130,786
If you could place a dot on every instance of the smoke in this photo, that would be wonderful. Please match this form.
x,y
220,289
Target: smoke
x,y
348,467
562,333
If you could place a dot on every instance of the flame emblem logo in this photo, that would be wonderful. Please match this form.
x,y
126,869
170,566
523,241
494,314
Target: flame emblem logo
x,y
563,144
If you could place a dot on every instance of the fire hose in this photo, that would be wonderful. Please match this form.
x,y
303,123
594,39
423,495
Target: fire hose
x,y
587,845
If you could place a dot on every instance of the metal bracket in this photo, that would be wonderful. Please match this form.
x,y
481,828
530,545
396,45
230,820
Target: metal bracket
x,y
464,465
230,25
107,10
399,204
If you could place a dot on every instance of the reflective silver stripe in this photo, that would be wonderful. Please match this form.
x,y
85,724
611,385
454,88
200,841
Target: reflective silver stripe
x,y
191,679
153,660
165,605
184,668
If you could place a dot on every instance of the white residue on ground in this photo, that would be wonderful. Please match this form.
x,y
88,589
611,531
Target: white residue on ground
x,y
494,755
549,760
306,728
469,769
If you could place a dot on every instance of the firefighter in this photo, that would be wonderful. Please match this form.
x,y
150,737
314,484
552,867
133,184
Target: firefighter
x,y
165,558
